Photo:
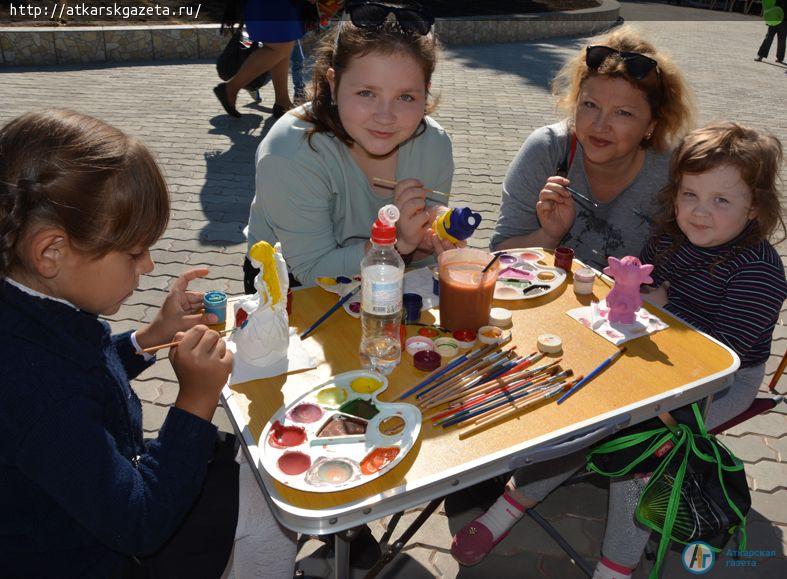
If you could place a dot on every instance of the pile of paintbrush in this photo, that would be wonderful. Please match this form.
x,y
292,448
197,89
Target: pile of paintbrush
x,y
489,385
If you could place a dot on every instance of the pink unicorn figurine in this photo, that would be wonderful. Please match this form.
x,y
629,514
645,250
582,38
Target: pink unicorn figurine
x,y
624,300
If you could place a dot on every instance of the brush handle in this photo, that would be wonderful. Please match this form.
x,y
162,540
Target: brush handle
x,y
174,344
330,311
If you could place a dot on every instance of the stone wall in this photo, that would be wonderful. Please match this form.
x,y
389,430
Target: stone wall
x,y
79,45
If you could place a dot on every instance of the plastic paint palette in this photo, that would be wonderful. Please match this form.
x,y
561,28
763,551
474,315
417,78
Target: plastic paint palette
x,y
339,435
522,268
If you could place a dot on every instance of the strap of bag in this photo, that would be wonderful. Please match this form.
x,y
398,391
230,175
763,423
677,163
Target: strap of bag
x,y
568,158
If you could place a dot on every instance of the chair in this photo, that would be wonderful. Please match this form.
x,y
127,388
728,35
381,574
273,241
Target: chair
x,y
759,406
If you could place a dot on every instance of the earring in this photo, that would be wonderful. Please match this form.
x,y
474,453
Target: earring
x,y
648,136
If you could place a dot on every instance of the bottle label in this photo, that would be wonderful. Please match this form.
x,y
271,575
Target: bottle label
x,y
382,298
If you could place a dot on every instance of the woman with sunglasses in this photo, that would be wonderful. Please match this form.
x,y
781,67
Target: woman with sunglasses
x,y
367,119
627,103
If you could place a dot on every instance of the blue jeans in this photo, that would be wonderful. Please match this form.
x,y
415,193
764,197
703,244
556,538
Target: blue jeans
x,y
296,68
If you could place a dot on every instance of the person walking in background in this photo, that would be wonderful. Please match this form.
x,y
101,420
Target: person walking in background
x,y
277,24
779,30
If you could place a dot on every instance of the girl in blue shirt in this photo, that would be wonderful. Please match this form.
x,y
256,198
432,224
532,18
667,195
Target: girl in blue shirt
x,y
82,494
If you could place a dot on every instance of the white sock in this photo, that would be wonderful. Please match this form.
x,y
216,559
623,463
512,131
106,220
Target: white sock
x,y
502,515
606,569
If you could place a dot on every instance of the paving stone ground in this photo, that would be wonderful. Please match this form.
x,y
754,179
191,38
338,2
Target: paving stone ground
x,y
492,97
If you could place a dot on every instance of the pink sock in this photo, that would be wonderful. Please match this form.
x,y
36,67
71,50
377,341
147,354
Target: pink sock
x,y
606,569
502,515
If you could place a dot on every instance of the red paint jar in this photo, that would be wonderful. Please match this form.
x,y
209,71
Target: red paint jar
x,y
564,257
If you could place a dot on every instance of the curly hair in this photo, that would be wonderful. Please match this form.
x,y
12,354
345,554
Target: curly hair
x,y
337,50
69,170
758,157
669,97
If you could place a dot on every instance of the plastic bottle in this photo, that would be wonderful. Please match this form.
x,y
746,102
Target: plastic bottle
x,y
456,224
382,273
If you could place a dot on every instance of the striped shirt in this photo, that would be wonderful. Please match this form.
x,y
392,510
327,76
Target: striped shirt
x,y
737,303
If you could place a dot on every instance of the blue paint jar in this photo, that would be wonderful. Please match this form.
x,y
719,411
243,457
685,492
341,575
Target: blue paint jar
x,y
215,302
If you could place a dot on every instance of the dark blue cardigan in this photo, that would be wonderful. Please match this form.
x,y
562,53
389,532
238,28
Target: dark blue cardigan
x,y
79,490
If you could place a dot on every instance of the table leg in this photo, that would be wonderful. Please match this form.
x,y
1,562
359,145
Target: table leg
x,y
576,558
341,560
394,549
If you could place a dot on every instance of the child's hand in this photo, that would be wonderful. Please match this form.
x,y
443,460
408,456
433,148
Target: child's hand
x,y
410,199
658,295
202,364
431,243
179,312
555,208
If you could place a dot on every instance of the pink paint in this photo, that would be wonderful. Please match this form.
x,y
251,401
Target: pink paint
x,y
624,300
306,413
293,463
529,256
515,273
286,436
355,307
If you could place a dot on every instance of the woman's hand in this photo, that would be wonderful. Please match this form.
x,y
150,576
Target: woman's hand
x,y
555,208
180,311
202,364
410,199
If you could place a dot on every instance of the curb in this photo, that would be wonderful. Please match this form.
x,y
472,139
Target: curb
x,y
35,46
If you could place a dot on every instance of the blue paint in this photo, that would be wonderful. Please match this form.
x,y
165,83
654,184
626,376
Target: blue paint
x,y
215,302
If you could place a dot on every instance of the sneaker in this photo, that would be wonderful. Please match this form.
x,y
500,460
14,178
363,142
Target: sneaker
x,y
473,543
758,59
255,94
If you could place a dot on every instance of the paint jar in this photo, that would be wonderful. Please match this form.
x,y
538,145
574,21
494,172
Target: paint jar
x,y
583,281
447,347
418,344
427,360
412,307
465,338
564,256
215,302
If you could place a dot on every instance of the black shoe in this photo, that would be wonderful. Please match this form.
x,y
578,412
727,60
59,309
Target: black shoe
x,y
279,111
220,90
779,61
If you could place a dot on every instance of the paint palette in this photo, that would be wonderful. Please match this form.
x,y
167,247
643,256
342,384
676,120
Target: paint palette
x,y
341,285
339,435
524,274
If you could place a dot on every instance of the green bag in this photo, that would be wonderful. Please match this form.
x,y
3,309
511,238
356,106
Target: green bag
x,y
698,490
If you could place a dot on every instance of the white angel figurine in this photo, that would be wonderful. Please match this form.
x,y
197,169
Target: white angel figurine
x,y
263,338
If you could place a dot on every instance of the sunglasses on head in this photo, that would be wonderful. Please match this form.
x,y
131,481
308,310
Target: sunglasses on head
x,y
637,65
412,19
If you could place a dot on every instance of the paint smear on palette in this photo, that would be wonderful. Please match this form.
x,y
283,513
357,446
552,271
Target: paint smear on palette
x,y
286,436
332,396
305,413
326,280
355,307
392,426
343,279
365,385
293,463
614,334
529,256
360,408
378,459
515,273
505,258
332,471
340,425
585,322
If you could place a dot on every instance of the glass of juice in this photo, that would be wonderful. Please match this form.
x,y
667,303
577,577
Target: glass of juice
x,y
465,292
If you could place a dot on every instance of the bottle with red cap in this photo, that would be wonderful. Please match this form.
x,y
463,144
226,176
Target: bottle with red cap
x,y
382,275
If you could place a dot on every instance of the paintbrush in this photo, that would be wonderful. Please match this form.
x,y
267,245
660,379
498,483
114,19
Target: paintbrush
x,y
330,311
462,370
174,344
462,378
502,398
598,370
432,195
507,414
496,402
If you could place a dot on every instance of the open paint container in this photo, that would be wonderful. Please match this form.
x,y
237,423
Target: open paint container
x,y
521,270
338,435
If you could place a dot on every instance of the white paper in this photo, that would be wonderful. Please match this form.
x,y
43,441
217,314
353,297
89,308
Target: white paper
x,y
594,317
297,359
